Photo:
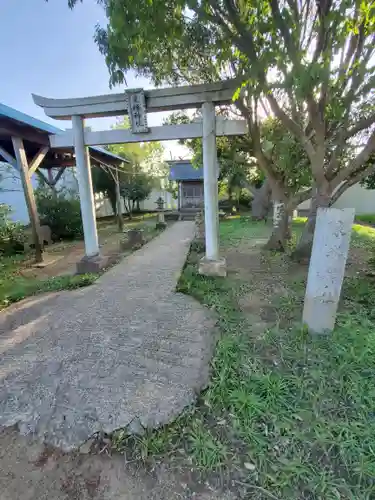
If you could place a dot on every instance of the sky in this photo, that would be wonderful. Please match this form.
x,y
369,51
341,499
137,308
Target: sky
x,y
48,49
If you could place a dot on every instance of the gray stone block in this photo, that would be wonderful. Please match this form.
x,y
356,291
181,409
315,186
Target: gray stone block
x,y
135,237
213,267
92,264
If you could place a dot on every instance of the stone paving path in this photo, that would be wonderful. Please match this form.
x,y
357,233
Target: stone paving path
x,y
127,352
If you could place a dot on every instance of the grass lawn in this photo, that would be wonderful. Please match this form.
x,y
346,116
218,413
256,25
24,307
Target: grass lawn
x,y
15,287
286,416
366,219
16,282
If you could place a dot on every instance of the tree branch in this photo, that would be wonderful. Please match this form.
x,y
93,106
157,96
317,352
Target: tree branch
x,y
253,190
356,163
263,160
284,30
360,125
301,197
350,182
290,125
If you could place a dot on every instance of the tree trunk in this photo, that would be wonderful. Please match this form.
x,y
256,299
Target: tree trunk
x,y
112,200
281,228
120,220
322,199
230,192
261,203
127,205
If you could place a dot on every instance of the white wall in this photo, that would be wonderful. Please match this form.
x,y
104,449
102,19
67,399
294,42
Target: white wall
x,y
357,197
103,206
170,203
11,190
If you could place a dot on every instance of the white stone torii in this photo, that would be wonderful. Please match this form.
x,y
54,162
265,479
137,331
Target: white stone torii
x,y
136,103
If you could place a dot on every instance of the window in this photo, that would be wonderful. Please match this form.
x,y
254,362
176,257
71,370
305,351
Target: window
x,y
192,191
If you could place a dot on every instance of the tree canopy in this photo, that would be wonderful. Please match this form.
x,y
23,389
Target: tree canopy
x,y
309,62
143,164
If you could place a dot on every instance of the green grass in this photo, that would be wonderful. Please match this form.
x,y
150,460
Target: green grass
x,y
363,237
366,219
287,415
14,288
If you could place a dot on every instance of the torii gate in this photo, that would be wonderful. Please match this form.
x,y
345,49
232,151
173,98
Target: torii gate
x,y
137,103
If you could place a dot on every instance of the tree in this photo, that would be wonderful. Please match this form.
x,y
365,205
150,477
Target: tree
x,y
135,186
104,182
238,165
369,182
149,156
9,178
309,62
143,163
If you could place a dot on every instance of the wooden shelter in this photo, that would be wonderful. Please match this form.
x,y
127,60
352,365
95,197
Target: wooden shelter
x,y
25,144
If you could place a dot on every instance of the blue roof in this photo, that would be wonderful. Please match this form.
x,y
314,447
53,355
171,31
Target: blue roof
x,y
183,170
25,119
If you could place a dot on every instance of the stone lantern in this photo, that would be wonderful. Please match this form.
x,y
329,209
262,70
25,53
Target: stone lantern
x,y
161,224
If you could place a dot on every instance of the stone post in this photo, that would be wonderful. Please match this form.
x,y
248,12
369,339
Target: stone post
x,y
327,267
211,264
85,188
92,261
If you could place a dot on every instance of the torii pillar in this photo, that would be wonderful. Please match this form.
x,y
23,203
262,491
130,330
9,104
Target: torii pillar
x,y
92,261
211,264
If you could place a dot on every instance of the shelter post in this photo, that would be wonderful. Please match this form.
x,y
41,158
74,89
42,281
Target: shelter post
x,y
21,158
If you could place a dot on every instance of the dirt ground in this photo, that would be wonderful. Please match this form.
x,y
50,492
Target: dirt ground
x,y
64,256
272,279
28,471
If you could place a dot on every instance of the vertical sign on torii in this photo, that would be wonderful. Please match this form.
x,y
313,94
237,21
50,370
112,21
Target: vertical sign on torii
x,y
137,103
137,111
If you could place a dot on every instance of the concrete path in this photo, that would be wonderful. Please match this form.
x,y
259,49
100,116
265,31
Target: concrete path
x,y
127,352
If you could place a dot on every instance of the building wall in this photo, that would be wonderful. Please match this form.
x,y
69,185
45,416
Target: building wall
x,y
11,190
192,194
103,206
357,197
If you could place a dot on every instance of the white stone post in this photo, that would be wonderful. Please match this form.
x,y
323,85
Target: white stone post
x,y
92,262
327,267
211,264
85,188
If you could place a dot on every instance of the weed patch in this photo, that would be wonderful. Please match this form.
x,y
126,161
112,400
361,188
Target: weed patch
x,y
287,415
16,289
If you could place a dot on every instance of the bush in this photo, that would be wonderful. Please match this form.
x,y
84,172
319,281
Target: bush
x,y
12,234
245,198
61,212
